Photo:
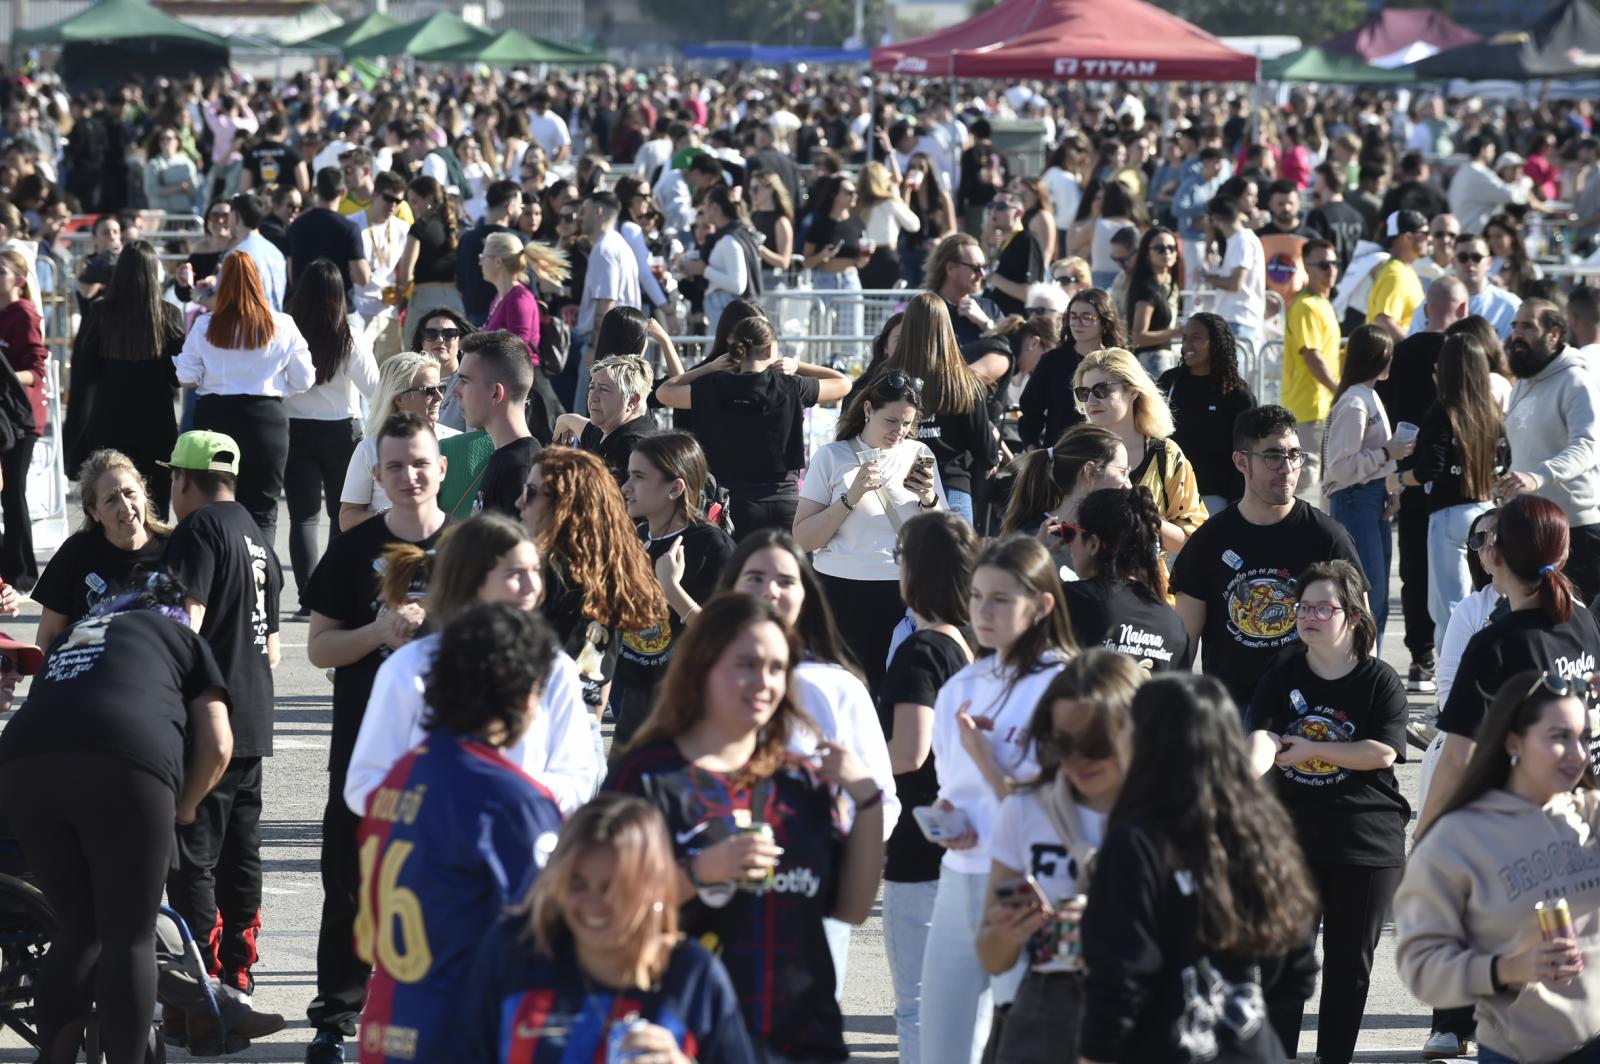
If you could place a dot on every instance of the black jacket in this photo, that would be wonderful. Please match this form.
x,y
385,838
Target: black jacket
x,y
1046,405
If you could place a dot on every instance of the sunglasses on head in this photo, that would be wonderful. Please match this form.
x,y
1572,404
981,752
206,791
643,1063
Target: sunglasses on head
x,y
435,335
897,380
1103,390
1482,538
1584,688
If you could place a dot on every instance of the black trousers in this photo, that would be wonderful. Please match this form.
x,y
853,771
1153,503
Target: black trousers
x,y
259,425
866,612
100,853
758,506
1412,524
1354,902
1583,561
217,885
17,563
341,975
1460,1022
313,477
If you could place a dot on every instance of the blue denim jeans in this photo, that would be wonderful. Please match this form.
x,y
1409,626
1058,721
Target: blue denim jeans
x,y
1449,579
960,503
1360,511
907,917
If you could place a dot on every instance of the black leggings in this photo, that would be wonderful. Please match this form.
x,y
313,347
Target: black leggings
x,y
100,854
758,506
259,425
313,477
17,562
866,612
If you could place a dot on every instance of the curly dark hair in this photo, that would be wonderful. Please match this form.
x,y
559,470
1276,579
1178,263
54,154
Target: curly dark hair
x,y
1128,524
491,657
1224,351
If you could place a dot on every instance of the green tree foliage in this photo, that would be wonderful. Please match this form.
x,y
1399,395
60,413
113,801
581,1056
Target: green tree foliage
x,y
1311,22
765,21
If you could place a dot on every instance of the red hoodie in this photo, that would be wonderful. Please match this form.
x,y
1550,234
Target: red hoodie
x,y
23,343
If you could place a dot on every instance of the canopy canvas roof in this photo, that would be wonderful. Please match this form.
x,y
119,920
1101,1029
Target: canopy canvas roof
x,y
356,31
435,33
514,48
120,20
1395,36
1563,43
1318,64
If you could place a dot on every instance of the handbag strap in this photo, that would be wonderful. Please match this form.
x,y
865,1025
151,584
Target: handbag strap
x,y
883,496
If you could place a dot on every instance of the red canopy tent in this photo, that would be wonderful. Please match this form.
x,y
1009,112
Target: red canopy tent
x,y
1394,30
1070,40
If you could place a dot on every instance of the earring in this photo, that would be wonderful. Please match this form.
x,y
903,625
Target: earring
x,y
1516,759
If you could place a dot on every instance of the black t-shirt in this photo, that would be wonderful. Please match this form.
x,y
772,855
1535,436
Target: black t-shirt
x,y
920,666
217,556
504,476
436,259
1409,392
752,425
477,295
1203,421
1154,293
1342,816
1022,261
643,656
1341,225
1521,640
968,331
120,685
88,567
1047,408
846,232
771,939
617,448
1128,619
321,233
1437,461
270,162
594,646
344,587
1245,574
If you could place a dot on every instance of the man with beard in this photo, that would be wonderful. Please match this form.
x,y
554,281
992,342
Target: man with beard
x,y
1551,428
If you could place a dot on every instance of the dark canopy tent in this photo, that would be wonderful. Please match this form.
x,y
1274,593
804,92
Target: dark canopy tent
x,y
1070,40
1563,43
1331,68
106,44
1392,31
342,37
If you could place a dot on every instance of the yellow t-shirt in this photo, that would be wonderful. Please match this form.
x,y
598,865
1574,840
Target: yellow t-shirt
x,y
1312,324
1396,293
351,205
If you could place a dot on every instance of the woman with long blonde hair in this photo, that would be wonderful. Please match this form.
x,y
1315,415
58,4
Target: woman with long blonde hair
x,y
407,383
1116,393
599,937
954,419
243,360
885,215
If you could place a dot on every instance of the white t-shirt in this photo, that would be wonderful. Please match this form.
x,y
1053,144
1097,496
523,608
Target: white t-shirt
x,y
1025,840
985,689
1248,305
613,273
550,131
863,547
844,711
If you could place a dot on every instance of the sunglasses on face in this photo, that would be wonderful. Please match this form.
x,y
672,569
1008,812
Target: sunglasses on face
x,y
1470,257
1094,746
1321,264
1065,531
975,267
1278,459
436,335
1103,390
391,198
1321,611
1482,538
1066,279
1089,318
433,392
528,493
1164,249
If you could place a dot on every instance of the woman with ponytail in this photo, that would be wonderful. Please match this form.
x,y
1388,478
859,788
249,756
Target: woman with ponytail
x,y
1120,597
1050,484
1548,629
427,269
508,265
755,437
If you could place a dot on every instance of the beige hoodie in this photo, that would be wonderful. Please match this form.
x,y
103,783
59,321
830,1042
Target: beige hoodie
x,y
1468,895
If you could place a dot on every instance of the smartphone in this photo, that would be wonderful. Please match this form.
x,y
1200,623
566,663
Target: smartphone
x,y
940,825
925,461
1019,891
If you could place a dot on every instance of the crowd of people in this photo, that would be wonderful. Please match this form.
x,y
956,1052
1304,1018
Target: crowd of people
x,y
1068,642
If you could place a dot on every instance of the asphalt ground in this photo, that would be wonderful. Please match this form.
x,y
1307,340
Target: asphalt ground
x,y
296,787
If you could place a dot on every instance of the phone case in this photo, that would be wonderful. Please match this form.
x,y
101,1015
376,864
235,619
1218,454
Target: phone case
x,y
938,824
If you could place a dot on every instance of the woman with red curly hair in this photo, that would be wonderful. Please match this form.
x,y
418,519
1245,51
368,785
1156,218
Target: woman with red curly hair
x,y
243,360
598,578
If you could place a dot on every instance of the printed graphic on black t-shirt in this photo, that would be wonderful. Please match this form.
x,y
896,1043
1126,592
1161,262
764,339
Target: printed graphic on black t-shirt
x,y
1128,619
88,568
644,655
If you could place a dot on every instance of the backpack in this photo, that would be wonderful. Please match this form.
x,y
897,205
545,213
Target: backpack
x,y
16,411
717,504
555,341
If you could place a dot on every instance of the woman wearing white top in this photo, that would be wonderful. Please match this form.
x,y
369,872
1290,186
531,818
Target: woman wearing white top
x,y
1359,453
407,383
324,425
1065,187
769,565
243,359
885,215
487,558
980,746
856,494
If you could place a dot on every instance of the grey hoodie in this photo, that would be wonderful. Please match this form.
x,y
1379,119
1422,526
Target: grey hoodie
x,y
1553,431
1468,895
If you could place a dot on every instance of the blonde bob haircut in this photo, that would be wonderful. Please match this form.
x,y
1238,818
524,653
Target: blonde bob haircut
x,y
1152,418
630,373
642,889
394,379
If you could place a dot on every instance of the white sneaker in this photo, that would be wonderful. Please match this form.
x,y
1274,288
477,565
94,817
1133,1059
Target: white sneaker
x,y
1441,1045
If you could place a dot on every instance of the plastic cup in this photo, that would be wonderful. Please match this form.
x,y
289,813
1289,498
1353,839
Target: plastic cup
x,y
1405,431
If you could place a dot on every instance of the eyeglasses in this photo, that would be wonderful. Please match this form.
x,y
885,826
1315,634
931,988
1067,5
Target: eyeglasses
x,y
1322,611
436,335
433,392
1278,459
1320,264
1089,318
1065,279
1470,257
1164,249
1103,390
975,267
1484,537
1038,312
1001,205
1094,746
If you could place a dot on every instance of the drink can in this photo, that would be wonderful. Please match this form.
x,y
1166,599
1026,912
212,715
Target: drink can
x,y
1555,920
765,877
1069,947
617,1035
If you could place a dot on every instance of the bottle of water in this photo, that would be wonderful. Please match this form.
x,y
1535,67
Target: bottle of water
x,y
1537,242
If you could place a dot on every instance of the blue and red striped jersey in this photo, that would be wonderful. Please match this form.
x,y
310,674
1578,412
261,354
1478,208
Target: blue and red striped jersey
x,y
454,835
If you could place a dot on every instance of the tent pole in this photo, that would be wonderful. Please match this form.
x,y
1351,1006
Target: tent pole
x,y
872,111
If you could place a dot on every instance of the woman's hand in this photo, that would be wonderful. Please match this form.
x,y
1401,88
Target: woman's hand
x,y
1398,448
670,566
839,766
919,482
787,365
1551,963
650,1044
964,841
1014,920
1295,750
654,331
741,856
184,815
867,479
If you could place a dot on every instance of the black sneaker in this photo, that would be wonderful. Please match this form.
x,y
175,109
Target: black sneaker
x,y
1419,679
326,1048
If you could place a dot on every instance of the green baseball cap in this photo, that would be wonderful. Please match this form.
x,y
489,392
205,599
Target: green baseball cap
x,y
214,452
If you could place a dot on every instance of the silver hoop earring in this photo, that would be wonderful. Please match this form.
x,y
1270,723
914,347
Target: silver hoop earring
x,y
1516,759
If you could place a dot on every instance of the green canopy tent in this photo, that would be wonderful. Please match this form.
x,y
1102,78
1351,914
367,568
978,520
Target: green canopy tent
x,y
114,39
514,48
364,28
425,36
1317,64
